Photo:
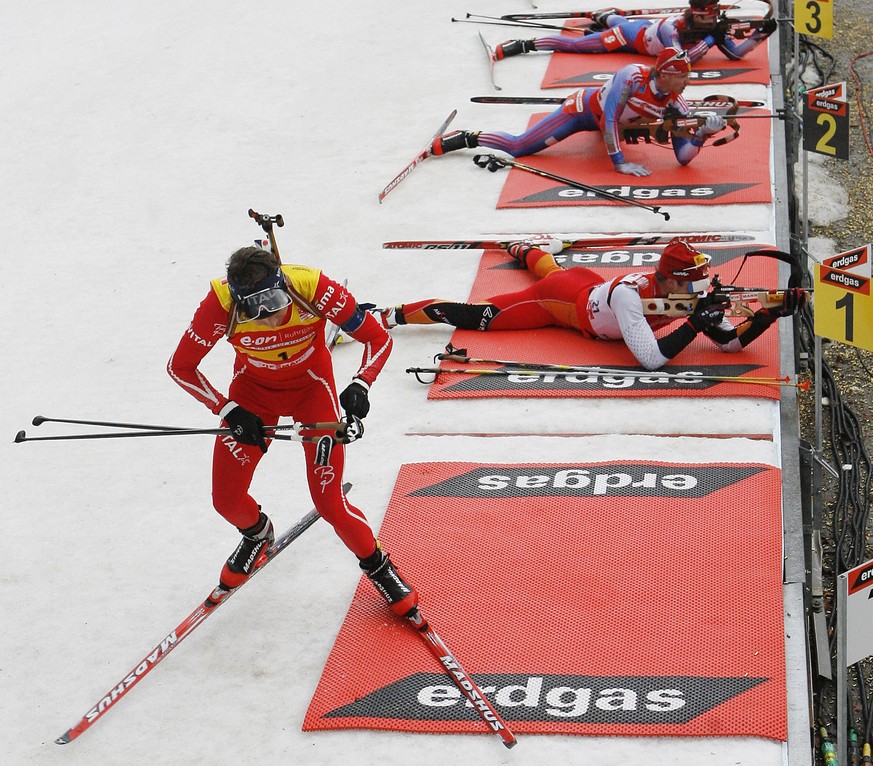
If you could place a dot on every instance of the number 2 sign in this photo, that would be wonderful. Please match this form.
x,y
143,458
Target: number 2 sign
x,y
826,121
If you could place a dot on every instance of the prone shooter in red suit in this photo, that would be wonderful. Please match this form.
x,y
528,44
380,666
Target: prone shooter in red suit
x,y
274,316
612,309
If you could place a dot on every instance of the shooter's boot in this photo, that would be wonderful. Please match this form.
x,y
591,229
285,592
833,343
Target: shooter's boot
x,y
250,554
451,142
514,48
400,595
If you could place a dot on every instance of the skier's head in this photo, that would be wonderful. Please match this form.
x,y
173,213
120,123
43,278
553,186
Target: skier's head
x,y
682,263
257,283
672,70
673,61
702,14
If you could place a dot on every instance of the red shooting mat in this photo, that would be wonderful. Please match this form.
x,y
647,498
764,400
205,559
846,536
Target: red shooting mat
x,y
498,274
632,599
719,175
577,70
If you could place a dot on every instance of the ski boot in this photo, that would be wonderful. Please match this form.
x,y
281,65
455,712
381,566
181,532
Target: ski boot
x,y
389,317
599,19
400,595
514,48
248,556
450,142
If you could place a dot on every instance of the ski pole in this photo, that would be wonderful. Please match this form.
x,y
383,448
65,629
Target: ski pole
x,y
473,18
21,436
530,367
590,14
453,354
493,163
327,426
339,430
601,372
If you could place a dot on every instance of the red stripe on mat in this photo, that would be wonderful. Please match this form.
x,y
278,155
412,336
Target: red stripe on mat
x,y
719,175
498,274
633,598
576,70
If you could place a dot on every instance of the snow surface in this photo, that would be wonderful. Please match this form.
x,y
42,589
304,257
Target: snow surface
x,y
136,137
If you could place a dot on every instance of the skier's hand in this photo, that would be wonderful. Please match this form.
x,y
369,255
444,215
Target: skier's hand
x,y
245,426
719,32
519,250
793,300
354,430
708,312
632,169
546,242
768,28
355,400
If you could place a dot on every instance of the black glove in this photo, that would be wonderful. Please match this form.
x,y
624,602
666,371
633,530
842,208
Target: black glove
x,y
720,31
708,312
768,27
354,430
355,400
793,300
246,427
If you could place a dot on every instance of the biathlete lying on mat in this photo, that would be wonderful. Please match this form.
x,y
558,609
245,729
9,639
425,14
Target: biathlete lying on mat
x,y
696,30
634,93
580,299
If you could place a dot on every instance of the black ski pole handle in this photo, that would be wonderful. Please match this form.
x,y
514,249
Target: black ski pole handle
x,y
490,162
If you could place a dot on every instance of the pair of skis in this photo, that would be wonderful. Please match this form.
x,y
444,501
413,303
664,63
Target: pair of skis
x,y
637,12
606,241
714,103
207,607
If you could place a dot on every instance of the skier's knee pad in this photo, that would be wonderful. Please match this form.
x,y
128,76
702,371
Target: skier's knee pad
x,y
466,316
613,40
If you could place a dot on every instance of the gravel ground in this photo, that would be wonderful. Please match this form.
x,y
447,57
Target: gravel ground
x,y
851,184
852,181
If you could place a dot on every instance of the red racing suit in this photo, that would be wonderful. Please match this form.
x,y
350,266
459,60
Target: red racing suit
x,y
282,371
580,299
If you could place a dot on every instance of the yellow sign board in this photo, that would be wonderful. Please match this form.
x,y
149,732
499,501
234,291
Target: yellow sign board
x,y
814,17
826,121
843,307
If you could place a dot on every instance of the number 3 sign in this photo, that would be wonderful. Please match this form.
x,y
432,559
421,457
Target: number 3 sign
x,y
814,17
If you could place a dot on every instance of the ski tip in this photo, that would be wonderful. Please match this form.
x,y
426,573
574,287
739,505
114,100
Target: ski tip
x,y
65,738
510,743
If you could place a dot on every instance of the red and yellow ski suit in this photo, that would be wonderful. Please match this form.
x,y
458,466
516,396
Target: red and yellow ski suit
x,y
282,371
